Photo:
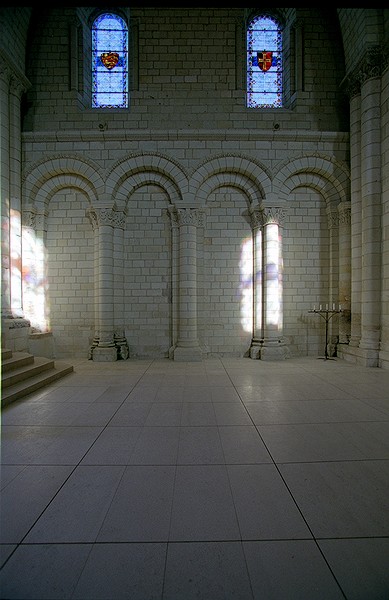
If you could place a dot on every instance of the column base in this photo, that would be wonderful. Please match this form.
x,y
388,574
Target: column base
x,y
99,354
255,352
358,356
274,353
15,333
191,354
383,362
271,352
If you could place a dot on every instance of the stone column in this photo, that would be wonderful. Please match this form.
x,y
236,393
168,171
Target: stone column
x,y
5,78
371,216
35,292
333,276
356,215
16,90
118,290
172,214
344,210
256,221
188,348
103,221
273,347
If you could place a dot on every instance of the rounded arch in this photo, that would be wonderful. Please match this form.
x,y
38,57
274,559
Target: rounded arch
x,y
327,176
50,176
142,169
240,172
60,182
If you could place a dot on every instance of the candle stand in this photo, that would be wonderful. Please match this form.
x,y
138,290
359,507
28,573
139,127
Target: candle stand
x,y
326,314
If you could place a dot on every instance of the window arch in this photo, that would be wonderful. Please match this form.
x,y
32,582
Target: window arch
x,y
109,62
264,63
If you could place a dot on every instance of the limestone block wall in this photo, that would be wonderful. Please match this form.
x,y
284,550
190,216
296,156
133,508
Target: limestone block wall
x,y
139,226
145,254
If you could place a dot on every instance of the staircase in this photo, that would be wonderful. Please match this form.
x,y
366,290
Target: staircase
x,y
23,373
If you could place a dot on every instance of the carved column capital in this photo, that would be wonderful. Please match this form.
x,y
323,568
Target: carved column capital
x,y
344,210
332,217
34,220
256,218
190,216
106,216
274,214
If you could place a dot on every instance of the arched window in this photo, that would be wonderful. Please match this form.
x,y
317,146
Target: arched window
x,y
264,63
109,62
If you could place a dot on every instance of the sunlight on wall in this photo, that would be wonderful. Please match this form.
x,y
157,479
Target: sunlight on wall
x,y
258,270
16,263
273,276
246,284
5,262
34,281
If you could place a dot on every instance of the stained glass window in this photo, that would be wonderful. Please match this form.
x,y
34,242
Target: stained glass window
x,y
109,62
264,63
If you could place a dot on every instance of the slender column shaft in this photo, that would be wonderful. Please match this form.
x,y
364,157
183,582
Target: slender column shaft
x,y
103,347
272,283
273,344
5,193
356,219
187,343
15,199
257,267
333,278
371,213
344,209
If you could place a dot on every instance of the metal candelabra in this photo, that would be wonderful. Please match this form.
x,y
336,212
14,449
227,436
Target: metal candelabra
x,y
326,314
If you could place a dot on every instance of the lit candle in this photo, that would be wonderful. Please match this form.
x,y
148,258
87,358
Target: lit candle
x,y
340,307
320,306
314,307
333,306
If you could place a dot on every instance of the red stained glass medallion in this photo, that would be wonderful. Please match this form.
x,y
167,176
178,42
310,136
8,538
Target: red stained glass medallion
x,y
109,59
265,60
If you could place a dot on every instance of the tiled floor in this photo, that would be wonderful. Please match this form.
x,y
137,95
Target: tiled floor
x,y
226,479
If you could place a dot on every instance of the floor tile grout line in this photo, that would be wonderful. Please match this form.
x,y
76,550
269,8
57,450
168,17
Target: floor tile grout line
x,y
296,504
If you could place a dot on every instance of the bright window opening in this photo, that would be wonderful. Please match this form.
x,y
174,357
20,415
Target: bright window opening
x,y
264,63
109,62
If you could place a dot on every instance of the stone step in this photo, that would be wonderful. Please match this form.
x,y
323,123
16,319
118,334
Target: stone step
x,y
23,373
11,361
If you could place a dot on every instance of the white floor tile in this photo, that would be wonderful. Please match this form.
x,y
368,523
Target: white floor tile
x,y
341,499
360,566
43,571
292,569
140,510
211,570
264,506
77,512
235,477
123,572
203,508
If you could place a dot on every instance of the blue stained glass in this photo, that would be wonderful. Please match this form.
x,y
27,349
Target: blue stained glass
x,y
264,64
109,62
